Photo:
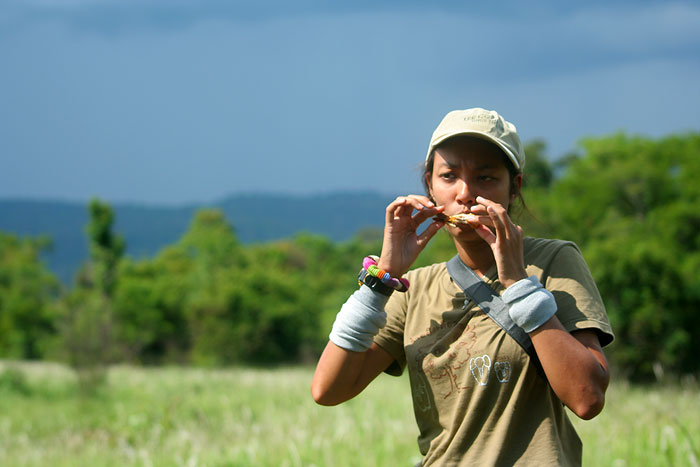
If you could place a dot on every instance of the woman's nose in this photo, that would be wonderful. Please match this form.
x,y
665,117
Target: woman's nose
x,y
465,195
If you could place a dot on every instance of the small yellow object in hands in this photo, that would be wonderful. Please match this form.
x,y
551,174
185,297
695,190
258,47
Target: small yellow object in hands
x,y
454,221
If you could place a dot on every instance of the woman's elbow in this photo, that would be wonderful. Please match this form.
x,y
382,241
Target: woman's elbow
x,y
590,406
320,396
589,411
591,398
323,396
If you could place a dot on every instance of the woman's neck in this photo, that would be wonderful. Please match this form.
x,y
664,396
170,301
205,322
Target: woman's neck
x,y
477,255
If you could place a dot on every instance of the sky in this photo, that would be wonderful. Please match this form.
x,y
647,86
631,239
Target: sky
x,y
172,102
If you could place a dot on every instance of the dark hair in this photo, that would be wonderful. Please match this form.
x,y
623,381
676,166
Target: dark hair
x,y
512,171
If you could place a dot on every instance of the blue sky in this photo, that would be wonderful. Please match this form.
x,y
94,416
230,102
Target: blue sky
x,y
169,102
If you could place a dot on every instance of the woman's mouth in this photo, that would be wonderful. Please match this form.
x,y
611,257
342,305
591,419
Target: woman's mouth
x,y
454,221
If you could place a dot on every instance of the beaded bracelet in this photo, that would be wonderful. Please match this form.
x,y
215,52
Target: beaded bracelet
x,y
374,283
369,264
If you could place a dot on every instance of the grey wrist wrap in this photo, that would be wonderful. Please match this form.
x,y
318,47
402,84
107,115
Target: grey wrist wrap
x,y
530,305
359,320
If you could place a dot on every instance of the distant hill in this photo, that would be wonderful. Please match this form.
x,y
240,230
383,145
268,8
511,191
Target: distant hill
x,y
148,228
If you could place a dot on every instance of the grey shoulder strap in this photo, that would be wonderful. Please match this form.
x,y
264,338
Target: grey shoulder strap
x,y
490,303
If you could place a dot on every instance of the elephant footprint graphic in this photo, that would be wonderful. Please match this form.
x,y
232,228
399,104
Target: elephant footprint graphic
x,y
480,367
502,370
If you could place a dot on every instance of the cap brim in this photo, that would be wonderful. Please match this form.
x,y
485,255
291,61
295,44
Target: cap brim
x,y
478,134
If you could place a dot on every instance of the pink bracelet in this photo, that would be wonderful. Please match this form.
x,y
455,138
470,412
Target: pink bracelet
x,y
369,264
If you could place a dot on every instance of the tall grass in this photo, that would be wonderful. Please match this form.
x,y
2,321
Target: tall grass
x,y
644,425
232,417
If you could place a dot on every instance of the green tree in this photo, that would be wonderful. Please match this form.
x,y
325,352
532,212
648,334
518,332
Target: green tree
x,y
106,248
539,171
149,308
27,295
87,326
631,204
215,319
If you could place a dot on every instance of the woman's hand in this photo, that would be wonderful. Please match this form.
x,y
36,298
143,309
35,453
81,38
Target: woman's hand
x,y
492,222
402,244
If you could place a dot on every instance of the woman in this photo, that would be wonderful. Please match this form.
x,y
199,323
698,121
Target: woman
x,y
479,398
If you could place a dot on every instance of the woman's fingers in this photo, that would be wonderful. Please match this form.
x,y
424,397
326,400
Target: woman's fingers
x,y
485,233
499,223
500,220
424,214
422,199
429,233
415,208
506,241
474,220
404,205
502,231
402,244
393,207
424,207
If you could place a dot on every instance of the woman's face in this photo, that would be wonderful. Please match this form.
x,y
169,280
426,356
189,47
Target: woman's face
x,y
466,168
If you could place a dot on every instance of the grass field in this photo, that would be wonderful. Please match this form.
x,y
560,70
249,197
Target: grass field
x,y
232,417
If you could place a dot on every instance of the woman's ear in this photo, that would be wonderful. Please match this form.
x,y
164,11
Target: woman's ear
x,y
429,184
516,187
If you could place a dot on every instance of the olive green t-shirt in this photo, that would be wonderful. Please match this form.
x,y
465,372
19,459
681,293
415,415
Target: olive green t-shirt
x,y
477,397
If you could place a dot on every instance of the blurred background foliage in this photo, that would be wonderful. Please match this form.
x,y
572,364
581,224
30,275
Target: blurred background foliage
x,y
631,203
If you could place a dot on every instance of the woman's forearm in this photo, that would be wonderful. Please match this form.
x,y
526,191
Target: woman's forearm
x,y
575,366
342,374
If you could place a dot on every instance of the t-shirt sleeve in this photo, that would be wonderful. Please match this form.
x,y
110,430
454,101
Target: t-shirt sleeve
x,y
579,304
390,337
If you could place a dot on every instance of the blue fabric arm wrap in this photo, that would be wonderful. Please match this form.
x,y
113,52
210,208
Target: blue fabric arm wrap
x,y
530,305
359,320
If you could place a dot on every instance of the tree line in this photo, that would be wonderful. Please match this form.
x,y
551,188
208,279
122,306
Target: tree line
x,y
630,203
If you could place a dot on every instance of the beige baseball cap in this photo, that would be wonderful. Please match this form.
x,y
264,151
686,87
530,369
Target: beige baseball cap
x,y
486,124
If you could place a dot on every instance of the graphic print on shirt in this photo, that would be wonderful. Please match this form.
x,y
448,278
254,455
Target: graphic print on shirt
x,y
450,369
481,369
502,370
444,368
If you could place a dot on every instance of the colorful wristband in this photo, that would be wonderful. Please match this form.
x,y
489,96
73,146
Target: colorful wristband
x,y
374,283
369,264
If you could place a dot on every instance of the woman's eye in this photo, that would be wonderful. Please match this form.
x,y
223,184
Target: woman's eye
x,y
486,178
447,176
